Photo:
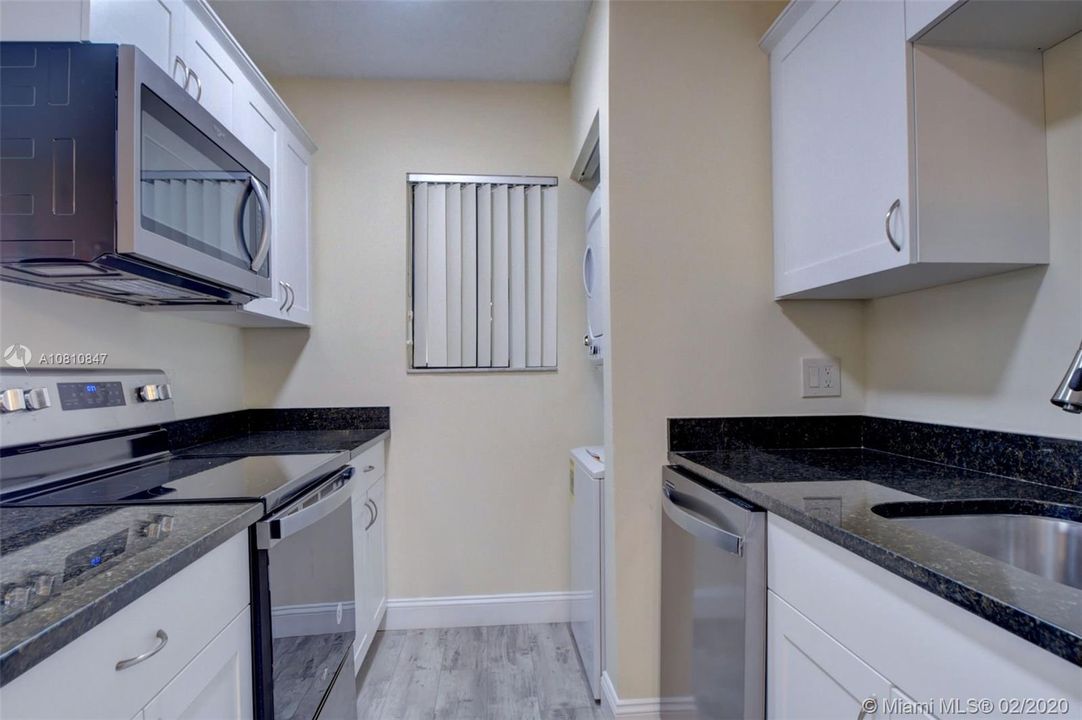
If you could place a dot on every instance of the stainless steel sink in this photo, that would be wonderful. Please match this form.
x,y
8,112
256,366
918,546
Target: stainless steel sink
x,y
1046,546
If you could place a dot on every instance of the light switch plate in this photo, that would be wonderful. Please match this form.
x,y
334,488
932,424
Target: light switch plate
x,y
821,377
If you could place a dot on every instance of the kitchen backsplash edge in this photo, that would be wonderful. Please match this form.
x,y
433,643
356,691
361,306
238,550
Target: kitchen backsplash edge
x,y
1050,461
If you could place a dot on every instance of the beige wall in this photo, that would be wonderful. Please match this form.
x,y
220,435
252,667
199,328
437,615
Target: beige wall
x,y
477,474
988,353
695,328
203,360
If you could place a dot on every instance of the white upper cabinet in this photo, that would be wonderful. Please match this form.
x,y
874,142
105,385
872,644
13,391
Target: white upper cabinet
x,y
155,26
186,39
216,79
897,166
294,228
841,147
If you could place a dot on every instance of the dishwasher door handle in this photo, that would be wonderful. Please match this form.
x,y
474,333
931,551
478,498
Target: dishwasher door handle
x,y
699,528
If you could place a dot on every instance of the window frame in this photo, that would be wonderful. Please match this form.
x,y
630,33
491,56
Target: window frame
x,y
544,181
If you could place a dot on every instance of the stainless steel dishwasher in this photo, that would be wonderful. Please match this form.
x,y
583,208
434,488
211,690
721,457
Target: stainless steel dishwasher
x,y
713,602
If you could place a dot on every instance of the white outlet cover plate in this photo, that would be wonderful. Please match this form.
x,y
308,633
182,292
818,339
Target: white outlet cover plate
x,y
821,377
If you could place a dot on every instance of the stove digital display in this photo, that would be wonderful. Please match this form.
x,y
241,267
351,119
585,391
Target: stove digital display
x,y
81,396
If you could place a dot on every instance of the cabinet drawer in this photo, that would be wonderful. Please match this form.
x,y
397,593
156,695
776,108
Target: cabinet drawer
x,y
216,684
370,464
191,608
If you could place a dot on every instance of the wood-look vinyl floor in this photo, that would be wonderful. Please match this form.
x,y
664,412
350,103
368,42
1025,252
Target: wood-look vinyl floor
x,y
503,672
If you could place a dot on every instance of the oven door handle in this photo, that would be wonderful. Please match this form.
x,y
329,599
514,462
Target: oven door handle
x,y
292,520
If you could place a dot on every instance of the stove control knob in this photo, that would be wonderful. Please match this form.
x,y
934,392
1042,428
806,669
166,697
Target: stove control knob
x,y
165,391
148,393
12,400
37,399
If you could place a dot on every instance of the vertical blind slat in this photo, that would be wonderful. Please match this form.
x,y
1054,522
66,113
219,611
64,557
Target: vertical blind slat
x,y
533,277
549,272
437,275
500,277
469,276
420,275
454,275
517,243
484,276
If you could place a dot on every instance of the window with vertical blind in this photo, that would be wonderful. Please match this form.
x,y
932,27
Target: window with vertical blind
x,y
483,272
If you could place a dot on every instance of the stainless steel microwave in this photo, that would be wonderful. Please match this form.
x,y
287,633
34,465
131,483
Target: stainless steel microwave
x,y
117,183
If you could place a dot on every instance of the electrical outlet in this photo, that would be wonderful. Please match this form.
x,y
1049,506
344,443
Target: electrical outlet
x,y
821,377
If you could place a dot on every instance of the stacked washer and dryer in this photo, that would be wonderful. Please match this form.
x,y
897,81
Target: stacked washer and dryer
x,y
588,470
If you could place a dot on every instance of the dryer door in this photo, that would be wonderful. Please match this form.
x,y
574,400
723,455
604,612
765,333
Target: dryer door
x,y
594,262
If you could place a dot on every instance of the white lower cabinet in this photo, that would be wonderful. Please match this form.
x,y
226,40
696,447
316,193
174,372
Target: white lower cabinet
x,y
369,548
842,631
216,684
199,622
810,674
376,555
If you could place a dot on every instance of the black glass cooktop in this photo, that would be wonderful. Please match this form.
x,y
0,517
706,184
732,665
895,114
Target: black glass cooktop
x,y
270,478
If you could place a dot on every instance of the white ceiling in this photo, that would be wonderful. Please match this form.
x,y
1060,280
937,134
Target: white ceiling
x,y
512,40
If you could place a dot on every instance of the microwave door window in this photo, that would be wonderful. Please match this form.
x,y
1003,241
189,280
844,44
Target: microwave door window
x,y
192,192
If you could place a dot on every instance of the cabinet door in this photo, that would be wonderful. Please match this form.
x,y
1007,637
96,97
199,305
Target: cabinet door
x,y
215,77
377,555
810,675
156,27
841,145
216,684
260,129
362,518
293,218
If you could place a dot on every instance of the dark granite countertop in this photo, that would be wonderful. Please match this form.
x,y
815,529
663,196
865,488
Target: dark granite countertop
x,y
288,442
281,431
831,491
95,561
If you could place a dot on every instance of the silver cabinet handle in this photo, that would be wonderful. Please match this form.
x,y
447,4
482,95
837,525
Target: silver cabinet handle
x,y
192,74
890,216
184,67
372,512
285,296
265,236
291,295
700,529
368,468
867,705
162,640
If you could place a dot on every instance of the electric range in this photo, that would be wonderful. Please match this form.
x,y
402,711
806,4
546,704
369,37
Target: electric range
x,y
79,438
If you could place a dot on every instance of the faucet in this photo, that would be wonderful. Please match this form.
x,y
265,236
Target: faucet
x,y
1068,395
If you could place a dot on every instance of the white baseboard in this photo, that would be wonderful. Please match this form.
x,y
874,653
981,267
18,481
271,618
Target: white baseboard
x,y
474,610
644,708
311,618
